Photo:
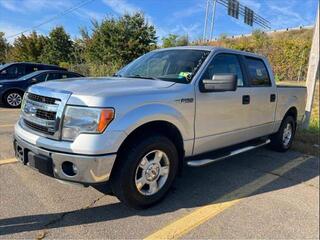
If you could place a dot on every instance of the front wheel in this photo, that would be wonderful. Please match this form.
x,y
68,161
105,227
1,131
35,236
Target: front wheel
x,y
282,140
145,171
13,99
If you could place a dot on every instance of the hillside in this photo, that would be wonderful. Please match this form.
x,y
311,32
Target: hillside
x,y
288,52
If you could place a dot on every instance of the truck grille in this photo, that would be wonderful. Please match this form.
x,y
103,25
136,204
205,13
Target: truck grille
x,y
43,99
46,114
39,113
38,128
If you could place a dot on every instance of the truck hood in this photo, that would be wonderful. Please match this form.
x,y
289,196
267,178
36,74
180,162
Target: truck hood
x,y
106,86
98,92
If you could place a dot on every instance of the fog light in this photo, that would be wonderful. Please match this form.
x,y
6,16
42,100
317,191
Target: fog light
x,y
69,169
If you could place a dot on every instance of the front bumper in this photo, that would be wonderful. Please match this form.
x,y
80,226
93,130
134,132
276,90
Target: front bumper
x,y
89,169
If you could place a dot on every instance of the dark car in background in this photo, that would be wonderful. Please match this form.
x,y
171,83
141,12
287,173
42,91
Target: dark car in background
x,y
19,69
12,90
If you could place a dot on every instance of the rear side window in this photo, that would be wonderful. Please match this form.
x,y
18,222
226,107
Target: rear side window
x,y
71,75
31,68
258,73
53,76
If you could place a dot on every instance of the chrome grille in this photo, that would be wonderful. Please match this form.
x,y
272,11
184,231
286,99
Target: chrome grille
x,y
43,99
39,113
46,114
38,127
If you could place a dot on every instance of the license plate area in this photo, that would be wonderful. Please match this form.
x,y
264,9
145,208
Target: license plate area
x,y
38,162
20,152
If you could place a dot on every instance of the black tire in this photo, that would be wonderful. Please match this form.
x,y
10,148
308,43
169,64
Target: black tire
x,y
123,176
13,99
277,140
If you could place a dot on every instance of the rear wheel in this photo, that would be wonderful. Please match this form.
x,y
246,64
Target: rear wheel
x,y
282,140
145,172
13,99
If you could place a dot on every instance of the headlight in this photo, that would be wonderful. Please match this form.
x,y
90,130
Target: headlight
x,y
79,120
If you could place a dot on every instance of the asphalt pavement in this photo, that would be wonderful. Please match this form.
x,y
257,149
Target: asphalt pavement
x,y
258,194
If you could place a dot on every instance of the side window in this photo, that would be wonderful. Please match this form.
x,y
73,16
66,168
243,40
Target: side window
x,y
71,75
31,68
258,73
41,77
53,76
16,71
64,75
224,64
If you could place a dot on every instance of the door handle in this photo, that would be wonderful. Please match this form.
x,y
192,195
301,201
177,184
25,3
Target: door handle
x,y
246,99
273,98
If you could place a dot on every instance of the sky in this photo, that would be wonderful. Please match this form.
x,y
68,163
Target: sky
x,y
168,16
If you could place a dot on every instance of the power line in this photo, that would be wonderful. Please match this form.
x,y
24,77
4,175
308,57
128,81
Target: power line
x,y
61,14
234,9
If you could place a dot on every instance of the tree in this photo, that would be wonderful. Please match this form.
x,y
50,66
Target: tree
x,y
174,40
28,48
59,47
3,48
120,40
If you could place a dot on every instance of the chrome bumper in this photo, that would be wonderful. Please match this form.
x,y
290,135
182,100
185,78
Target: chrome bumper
x,y
89,169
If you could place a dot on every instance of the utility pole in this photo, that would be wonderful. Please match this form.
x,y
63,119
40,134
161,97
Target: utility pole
x,y
313,69
205,22
212,18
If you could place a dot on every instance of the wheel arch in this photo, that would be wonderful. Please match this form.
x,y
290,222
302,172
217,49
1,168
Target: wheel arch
x,y
161,127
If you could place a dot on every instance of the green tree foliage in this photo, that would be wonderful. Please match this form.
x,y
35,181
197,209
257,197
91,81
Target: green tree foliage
x,y
3,48
28,48
59,47
288,52
173,40
120,40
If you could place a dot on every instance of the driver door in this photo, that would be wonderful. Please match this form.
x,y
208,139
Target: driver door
x,y
222,119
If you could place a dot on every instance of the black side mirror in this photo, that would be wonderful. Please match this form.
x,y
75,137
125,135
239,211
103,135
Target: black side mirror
x,y
34,80
219,83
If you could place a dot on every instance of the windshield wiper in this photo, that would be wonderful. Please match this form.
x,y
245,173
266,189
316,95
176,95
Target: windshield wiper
x,y
142,77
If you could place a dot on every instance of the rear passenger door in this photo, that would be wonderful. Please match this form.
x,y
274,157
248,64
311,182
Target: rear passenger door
x,y
262,94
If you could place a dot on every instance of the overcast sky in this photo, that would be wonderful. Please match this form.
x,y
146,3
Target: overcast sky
x,y
168,16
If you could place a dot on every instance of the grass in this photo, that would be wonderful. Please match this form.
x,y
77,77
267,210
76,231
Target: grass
x,y
307,140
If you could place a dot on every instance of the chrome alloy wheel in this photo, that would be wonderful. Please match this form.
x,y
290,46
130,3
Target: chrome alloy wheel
x,y
152,172
287,134
14,99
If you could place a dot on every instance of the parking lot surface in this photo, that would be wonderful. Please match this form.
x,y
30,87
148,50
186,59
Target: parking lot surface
x,y
259,194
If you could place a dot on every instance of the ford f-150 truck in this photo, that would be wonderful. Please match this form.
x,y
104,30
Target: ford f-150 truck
x,y
168,108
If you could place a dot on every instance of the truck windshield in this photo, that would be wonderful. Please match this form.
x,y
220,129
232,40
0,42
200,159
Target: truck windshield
x,y
179,65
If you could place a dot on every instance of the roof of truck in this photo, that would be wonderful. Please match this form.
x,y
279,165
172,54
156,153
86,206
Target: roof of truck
x,y
213,48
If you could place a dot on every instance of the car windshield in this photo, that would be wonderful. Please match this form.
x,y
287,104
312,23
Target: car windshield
x,y
2,66
179,65
30,75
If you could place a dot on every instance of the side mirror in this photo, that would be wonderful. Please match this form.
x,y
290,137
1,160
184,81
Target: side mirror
x,y
34,80
219,83
3,72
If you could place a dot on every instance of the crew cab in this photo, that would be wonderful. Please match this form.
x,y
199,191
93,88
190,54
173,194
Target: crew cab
x,y
12,90
169,108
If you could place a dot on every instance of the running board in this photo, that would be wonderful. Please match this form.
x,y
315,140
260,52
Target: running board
x,y
203,162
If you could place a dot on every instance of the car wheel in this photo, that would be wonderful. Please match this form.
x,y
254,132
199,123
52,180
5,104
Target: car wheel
x,y
145,172
282,140
13,99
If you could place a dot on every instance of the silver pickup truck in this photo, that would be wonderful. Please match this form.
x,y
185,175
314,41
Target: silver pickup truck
x,y
169,108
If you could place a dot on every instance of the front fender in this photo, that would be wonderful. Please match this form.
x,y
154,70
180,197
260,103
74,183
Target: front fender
x,y
136,117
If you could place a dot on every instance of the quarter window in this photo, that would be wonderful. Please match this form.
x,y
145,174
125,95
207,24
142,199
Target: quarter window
x,y
258,73
224,64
